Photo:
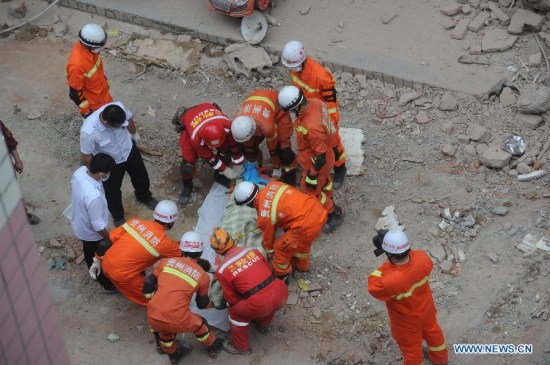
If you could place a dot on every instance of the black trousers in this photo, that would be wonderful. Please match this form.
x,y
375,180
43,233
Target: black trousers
x,y
89,248
135,167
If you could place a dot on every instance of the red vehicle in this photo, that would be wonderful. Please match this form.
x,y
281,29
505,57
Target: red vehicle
x,y
238,8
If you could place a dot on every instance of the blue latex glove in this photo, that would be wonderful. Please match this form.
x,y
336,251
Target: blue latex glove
x,y
252,175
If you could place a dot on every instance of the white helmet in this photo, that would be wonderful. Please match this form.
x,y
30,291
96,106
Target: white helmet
x,y
293,55
243,128
395,241
191,242
290,97
166,211
92,35
245,192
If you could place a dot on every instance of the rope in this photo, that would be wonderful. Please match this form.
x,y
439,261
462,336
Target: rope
x,y
29,20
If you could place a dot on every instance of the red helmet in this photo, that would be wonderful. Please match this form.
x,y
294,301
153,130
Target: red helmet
x,y
213,135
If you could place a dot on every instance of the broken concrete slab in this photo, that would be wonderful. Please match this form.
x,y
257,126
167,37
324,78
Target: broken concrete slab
x,y
525,20
438,253
533,99
479,21
532,121
168,52
406,98
449,23
388,220
498,13
245,59
535,59
495,157
292,299
353,139
497,40
460,29
507,97
448,102
448,150
450,8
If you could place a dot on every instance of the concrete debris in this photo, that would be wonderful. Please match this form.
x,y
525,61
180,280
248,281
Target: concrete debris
x,y
493,257
406,98
388,220
168,52
532,176
533,99
525,20
450,8
504,19
475,49
34,114
151,111
449,23
353,139
505,3
466,9
507,98
387,18
461,256
530,244
495,157
422,117
535,59
316,312
18,12
446,266
305,11
478,133
500,211
53,243
497,40
470,150
292,299
478,22
438,253
523,168
443,225
362,81
467,222
71,255
60,29
448,150
460,29
113,337
244,59
532,121
448,102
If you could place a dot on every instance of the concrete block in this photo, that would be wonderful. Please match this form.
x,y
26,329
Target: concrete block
x,y
532,121
460,30
244,58
498,13
479,21
497,40
449,23
525,20
353,139
292,299
495,157
535,59
475,49
478,133
450,8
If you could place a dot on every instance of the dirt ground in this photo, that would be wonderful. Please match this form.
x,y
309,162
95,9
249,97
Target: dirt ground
x,y
483,302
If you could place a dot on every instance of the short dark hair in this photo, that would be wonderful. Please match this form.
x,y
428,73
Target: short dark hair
x,y
193,255
114,115
400,256
102,162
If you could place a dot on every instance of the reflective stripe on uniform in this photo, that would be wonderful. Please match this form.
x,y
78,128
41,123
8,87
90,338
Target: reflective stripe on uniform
x,y
203,337
272,138
328,186
262,98
276,202
332,110
94,69
413,287
303,85
237,323
167,343
233,259
84,104
377,273
180,275
323,198
141,240
437,348
301,129
342,156
302,255
218,164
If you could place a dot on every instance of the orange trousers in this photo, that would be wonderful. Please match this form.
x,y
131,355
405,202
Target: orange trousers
x,y
324,190
131,288
168,331
337,145
292,249
409,339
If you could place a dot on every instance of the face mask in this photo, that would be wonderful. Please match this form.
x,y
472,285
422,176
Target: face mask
x,y
106,177
96,50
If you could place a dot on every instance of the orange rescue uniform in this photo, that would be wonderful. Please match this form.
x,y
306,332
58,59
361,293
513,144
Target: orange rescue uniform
x,y
168,313
272,124
299,215
317,82
314,133
409,301
137,244
85,75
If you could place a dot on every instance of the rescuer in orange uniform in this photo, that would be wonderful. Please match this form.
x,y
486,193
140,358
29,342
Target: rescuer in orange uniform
x,y
206,133
250,289
317,82
171,288
136,245
314,133
259,118
299,215
88,86
402,283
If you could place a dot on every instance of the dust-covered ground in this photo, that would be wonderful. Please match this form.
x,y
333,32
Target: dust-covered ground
x,y
489,287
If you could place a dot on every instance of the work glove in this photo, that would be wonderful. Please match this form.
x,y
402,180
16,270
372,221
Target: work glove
x,y
311,181
205,264
230,173
277,173
136,138
95,269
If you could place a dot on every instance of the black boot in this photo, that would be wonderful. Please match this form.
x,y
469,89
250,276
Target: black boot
x,y
284,278
157,342
181,351
185,195
289,177
215,348
339,176
335,219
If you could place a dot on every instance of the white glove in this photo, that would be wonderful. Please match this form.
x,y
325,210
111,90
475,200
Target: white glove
x,y
276,173
136,138
95,269
230,173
